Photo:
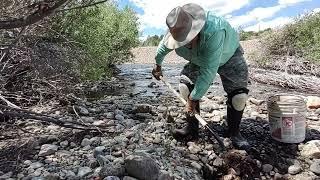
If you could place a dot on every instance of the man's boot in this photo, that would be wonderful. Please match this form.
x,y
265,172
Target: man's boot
x,y
235,107
191,129
233,120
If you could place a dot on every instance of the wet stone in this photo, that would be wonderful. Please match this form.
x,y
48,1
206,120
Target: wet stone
x,y
294,169
196,165
98,151
267,168
84,171
86,142
315,167
193,148
48,149
134,164
129,178
111,178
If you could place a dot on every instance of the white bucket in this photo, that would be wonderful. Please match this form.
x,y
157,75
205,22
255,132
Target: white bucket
x,y
287,118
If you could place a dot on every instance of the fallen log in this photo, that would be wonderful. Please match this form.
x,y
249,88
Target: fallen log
x,y
285,80
8,111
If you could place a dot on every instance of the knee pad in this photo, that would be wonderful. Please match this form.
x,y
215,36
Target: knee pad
x,y
239,101
185,86
238,98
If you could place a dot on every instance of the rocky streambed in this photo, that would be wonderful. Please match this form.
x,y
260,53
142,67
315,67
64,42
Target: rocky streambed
x,y
138,144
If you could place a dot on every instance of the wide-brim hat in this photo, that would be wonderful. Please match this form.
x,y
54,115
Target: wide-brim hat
x,y
184,23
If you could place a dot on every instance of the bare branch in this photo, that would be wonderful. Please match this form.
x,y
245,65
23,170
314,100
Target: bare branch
x,y
12,44
32,18
84,6
9,103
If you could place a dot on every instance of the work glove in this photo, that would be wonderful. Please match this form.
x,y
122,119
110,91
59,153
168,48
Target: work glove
x,y
192,107
157,72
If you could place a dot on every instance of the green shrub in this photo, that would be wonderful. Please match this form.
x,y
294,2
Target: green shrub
x,y
247,35
300,39
104,32
152,40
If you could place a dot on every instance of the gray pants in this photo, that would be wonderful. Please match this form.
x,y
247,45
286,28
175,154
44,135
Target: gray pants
x,y
233,74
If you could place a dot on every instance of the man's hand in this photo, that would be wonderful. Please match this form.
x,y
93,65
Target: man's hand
x,y
157,72
192,107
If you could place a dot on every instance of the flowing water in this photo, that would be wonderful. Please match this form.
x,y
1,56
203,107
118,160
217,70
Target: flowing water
x,y
140,75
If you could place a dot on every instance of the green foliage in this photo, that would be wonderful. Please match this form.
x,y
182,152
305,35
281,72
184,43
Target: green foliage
x,y
301,39
105,33
152,40
247,35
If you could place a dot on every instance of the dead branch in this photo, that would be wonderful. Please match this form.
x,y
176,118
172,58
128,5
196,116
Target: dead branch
x,y
84,6
32,18
25,114
282,79
9,103
6,51
74,110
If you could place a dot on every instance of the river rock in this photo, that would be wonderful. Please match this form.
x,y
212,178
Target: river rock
x,y
196,165
218,162
142,167
164,175
112,178
83,111
294,169
84,171
313,102
152,84
311,149
267,168
129,178
304,176
98,151
119,117
209,107
112,170
193,148
86,142
142,108
48,149
6,175
256,101
35,165
315,167
64,143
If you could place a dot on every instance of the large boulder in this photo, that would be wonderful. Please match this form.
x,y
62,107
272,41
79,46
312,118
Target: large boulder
x,y
142,167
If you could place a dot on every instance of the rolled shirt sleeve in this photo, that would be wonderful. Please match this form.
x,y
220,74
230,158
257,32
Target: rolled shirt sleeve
x,y
162,51
211,56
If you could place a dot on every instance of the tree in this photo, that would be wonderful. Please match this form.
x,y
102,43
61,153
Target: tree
x,y
31,12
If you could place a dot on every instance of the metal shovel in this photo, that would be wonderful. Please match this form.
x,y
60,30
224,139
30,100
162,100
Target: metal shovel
x,y
199,118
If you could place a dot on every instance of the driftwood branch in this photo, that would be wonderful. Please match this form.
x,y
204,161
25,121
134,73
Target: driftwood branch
x,y
9,103
285,80
24,114
32,18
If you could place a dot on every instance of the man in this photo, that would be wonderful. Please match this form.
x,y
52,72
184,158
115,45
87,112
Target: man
x,y
211,46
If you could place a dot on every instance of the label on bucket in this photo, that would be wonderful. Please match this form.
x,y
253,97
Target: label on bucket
x,y
287,128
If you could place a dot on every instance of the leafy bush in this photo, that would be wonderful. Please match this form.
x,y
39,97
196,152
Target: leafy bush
x,y
247,35
104,32
299,39
152,40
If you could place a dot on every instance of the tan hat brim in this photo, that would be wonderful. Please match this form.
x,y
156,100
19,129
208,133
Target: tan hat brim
x,y
198,21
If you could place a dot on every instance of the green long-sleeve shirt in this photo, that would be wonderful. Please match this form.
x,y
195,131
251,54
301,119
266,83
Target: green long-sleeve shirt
x,y
218,42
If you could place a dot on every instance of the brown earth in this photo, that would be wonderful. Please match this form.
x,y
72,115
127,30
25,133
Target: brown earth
x,y
145,55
